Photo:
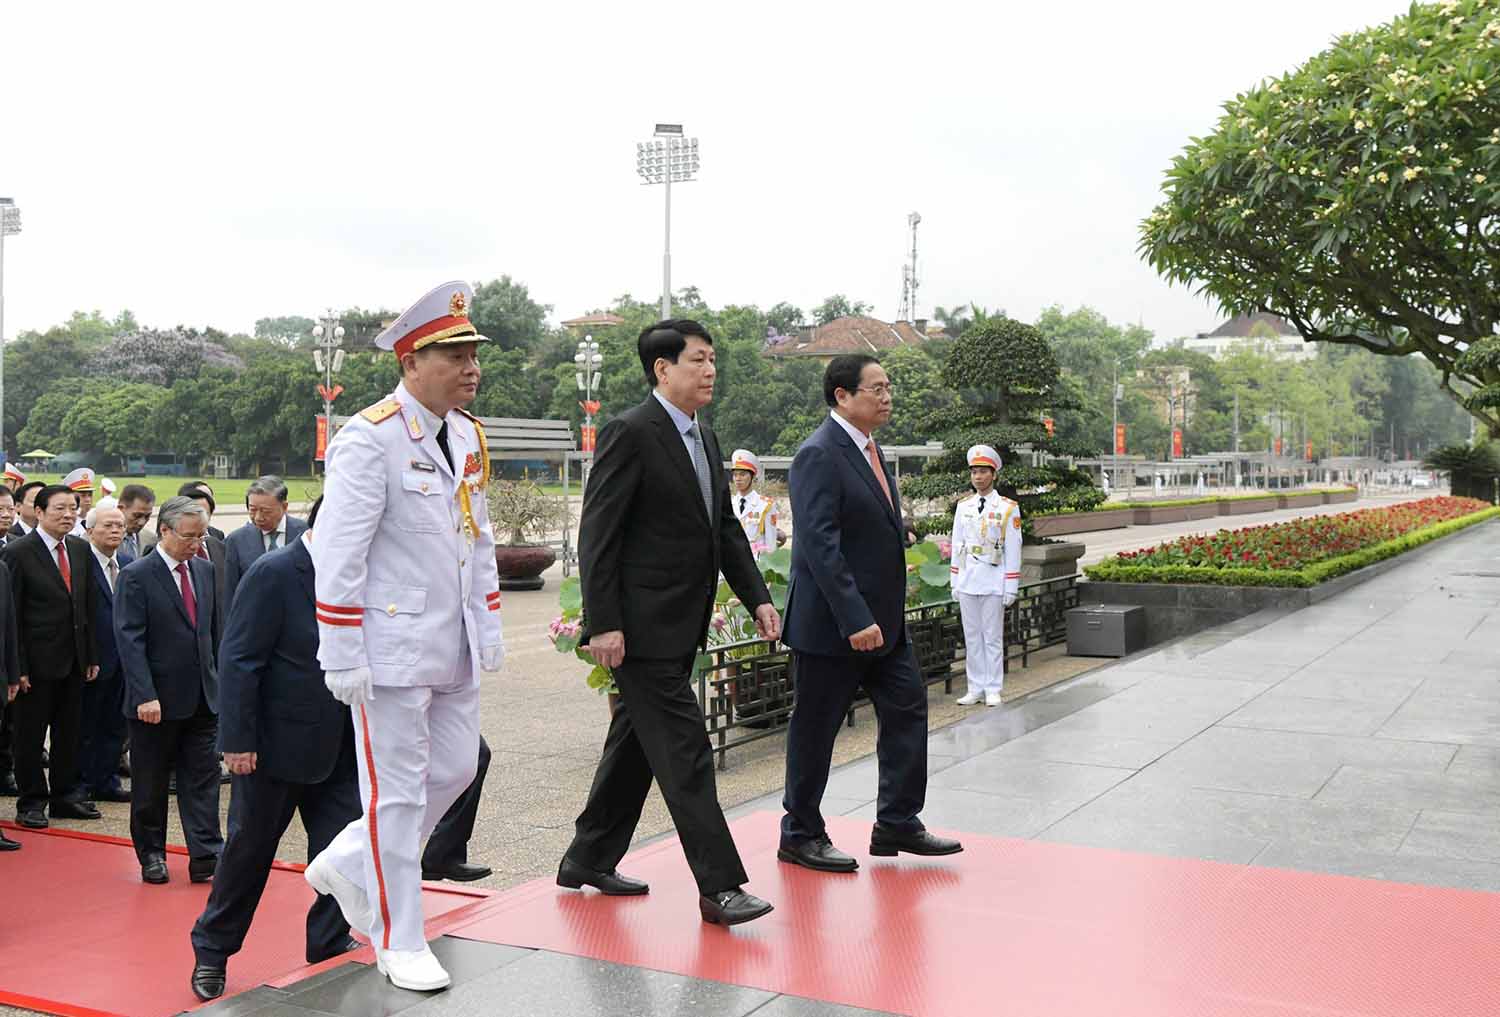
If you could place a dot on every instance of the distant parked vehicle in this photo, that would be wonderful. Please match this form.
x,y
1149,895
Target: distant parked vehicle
x,y
1421,480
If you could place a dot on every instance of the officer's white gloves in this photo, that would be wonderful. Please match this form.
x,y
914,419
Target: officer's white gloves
x,y
492,657
1009,599
351,687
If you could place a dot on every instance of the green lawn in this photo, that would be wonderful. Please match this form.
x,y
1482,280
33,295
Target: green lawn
x,y
226,492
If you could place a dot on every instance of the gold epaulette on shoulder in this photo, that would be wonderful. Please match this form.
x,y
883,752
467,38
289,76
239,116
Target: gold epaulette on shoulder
x,y
384,410
484,448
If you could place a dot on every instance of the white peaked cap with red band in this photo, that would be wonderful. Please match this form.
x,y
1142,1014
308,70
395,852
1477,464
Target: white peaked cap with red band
x,y
744,459
81,479
442,316
12,473
984,455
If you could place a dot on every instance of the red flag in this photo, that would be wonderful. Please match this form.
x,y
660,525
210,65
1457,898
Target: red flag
x,y
1119,439
1176,443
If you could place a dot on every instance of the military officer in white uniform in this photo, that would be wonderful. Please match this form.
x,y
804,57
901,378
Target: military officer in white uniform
x,y
408,606
985,575
756,513
81,483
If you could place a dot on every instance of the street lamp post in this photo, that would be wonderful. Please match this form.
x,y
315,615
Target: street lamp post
x,y
669,159
10,224
328,336
588,372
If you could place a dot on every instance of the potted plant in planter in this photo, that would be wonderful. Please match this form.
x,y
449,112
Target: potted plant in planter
x,y
520,509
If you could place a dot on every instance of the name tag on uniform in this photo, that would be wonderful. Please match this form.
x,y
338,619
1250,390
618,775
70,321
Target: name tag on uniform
x,y
417,464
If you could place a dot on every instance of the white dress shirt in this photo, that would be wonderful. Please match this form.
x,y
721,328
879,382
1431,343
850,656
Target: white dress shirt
x,y
682,422
172,564
105,561
280,532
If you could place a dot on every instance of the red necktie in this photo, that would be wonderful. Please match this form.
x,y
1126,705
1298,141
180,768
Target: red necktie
x,y
188,600
62,565
874,456
203,553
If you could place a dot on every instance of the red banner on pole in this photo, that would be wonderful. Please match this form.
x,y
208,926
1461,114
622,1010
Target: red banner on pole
x,y
1307,452
589,432
1176,443
1119,439
321,442
1050,425
1278,446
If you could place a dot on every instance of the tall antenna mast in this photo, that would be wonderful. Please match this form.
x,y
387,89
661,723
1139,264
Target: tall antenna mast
x,y
909,275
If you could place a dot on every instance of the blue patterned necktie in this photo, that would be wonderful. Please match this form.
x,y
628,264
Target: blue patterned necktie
x,y
700,464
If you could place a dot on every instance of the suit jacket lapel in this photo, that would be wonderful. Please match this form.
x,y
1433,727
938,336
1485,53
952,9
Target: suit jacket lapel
x,y
168,582
671,440
51,560
862,467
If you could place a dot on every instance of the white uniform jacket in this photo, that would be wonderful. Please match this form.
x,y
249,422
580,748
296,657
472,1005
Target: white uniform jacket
x,y
401,575
758,518
986,546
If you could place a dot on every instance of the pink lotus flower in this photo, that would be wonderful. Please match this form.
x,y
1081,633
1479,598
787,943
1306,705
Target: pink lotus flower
x,y
945,548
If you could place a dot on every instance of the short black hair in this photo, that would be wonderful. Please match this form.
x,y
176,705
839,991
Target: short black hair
x,y
50,491
312,515
198,489
667,339
21,491
843,373
133,493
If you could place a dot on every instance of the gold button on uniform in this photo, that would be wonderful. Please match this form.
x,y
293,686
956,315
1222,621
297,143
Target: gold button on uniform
x,y
391,610
424,487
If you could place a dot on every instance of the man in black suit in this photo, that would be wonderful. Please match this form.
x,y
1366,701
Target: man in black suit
x,y
137,501
846,625
269,527
290,746
199,489
7,514
165,624
103,721
26,508
53,589
657,529
10,530
10,662
211,549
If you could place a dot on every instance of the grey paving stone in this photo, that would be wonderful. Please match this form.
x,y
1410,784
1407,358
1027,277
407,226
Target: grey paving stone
x,y
554,985
1454,835
1446,682
244,1004
1476,662
994,815
1477,761
1276,712
364,992
1040,779
797,1006
1431,718
1452,792
1316,682
281,1009
1399,868
1090,748
1293,764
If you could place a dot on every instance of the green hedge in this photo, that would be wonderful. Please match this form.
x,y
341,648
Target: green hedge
x,y
1311,575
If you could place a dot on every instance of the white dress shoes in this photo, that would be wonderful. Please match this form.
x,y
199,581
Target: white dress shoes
x,y
417,970
324,877
970,698
991,699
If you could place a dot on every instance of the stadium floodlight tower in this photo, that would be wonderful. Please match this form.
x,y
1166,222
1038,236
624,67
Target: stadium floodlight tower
x,y
10,225
669,159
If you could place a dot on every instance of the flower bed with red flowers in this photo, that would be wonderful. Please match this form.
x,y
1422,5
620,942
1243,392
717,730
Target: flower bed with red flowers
x,y
1299,552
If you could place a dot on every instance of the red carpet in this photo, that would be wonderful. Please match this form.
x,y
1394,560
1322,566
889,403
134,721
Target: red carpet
x,y
83,936
1030,929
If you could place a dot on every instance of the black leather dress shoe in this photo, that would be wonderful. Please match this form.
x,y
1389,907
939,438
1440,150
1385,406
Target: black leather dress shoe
x,y
74,810
112,794
819,854
154,869
208,981
731,907
574,876
459,872
32,819
202,871
8,786
6,844
888,842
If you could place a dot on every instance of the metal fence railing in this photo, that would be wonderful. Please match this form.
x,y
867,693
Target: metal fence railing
x,y
747,691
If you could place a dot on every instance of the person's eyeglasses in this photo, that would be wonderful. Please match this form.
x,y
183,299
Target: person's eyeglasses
x,y
879,391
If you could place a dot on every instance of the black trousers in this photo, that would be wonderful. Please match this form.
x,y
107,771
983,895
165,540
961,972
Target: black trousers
x,y
449,843
156,751
657,730
55,706
260,809
103,732
8,742
825,690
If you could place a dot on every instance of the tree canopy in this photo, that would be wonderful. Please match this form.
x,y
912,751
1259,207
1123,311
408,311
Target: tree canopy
x,y
1356,197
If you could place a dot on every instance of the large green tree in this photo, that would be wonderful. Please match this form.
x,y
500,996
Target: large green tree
x,y
504,312
1357,197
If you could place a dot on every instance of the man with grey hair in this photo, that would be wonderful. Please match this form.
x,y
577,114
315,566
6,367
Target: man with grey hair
x,y
269,527
103,723
166,629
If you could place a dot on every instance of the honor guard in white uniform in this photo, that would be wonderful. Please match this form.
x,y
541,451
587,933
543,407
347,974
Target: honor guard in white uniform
x,y
985,575
756,513
408,607
81,483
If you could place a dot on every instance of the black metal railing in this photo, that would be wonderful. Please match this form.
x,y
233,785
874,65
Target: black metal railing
x,y
747,691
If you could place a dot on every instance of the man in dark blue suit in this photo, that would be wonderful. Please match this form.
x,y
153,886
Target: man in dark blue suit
x,y
289,745
103,721
846,625
268,528
166,617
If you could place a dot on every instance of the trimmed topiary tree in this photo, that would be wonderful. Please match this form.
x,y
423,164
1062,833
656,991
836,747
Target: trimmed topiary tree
x,y
1008,382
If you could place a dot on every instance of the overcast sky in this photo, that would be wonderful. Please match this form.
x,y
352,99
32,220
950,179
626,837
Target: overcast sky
x,y
200,167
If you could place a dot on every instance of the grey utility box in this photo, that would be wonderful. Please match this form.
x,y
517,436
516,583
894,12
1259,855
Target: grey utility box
x,y
1106,630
